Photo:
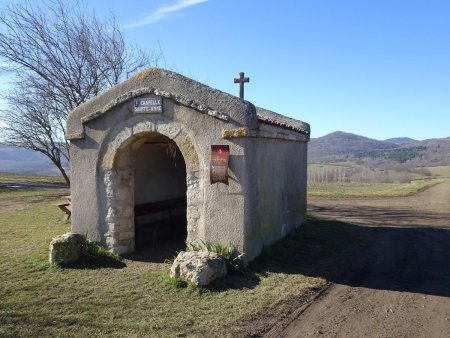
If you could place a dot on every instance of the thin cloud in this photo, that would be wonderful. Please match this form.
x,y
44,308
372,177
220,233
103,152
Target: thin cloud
x,y
164,12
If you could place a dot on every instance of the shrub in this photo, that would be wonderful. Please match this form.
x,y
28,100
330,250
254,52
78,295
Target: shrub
x,y
92,250
227,252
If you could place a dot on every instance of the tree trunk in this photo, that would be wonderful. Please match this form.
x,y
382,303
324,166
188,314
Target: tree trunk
x,y
63,172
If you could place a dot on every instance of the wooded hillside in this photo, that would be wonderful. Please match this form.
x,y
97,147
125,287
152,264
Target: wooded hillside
x,y
343,147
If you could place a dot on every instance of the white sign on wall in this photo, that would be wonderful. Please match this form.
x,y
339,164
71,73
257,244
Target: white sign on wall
x,y
149,105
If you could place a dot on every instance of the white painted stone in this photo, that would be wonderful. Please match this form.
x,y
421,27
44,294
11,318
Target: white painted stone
x,y
110,241
121,137
111,215
144,126
193,211
171,130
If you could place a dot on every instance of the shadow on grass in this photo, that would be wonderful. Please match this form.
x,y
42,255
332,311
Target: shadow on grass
x,y
161,252
393,249
92,262
318,248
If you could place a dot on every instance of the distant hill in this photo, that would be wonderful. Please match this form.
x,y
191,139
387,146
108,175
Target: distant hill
x,y
340,147
332,148
22,161
400,140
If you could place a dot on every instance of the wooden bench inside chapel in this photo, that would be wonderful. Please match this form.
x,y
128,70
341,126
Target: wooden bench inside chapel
x,y
154,220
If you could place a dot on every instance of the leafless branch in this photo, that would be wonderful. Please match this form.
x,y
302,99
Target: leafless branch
x,y
59,56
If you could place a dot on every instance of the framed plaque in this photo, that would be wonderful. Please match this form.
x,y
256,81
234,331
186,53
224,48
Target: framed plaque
x,y
220,156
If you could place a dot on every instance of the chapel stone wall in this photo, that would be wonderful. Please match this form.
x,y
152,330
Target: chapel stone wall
x,y
266,195
215,213
277,202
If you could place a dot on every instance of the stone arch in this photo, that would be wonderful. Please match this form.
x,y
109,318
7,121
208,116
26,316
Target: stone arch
x,y
117,180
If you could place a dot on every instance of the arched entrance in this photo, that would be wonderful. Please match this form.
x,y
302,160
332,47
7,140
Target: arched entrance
x,y
140,138
159,194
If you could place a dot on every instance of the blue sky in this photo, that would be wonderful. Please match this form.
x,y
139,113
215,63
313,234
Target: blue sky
x,y
375,68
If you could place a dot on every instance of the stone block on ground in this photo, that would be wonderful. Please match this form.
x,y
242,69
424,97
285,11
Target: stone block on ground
x,y
65,248
198,267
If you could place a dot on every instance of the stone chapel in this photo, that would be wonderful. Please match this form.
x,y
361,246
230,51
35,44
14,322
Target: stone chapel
x,y
161,156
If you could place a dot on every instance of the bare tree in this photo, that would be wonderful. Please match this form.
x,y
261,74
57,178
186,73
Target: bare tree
x,y
59,56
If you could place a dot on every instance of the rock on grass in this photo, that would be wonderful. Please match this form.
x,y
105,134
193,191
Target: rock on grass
x,y
198,267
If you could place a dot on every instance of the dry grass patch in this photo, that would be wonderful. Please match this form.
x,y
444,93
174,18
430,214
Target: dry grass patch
x,y
359,189
440,171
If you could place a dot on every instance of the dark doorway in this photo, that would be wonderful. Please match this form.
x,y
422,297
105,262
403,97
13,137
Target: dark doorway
x,y
160,197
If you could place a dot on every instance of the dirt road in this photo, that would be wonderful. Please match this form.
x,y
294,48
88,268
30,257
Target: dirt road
x,y
398,285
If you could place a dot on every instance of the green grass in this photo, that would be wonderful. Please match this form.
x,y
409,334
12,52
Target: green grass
x,y
22,178
358,189
31,195
41,301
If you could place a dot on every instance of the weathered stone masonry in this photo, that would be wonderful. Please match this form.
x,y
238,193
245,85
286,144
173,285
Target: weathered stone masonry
x,y
266,196
117,171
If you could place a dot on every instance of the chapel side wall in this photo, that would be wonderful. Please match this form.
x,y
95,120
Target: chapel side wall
x,y
83,188
278,184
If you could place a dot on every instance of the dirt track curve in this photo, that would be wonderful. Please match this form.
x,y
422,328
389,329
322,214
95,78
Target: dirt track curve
x,y
398,285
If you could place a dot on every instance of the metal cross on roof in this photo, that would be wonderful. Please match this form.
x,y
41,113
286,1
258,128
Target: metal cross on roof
x,y
241,80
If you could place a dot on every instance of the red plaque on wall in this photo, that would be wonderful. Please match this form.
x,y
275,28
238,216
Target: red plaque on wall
x,y
220,156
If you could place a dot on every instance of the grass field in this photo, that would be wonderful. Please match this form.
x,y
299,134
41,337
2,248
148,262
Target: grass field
x,y
359,189
11,177
31,195
40,301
